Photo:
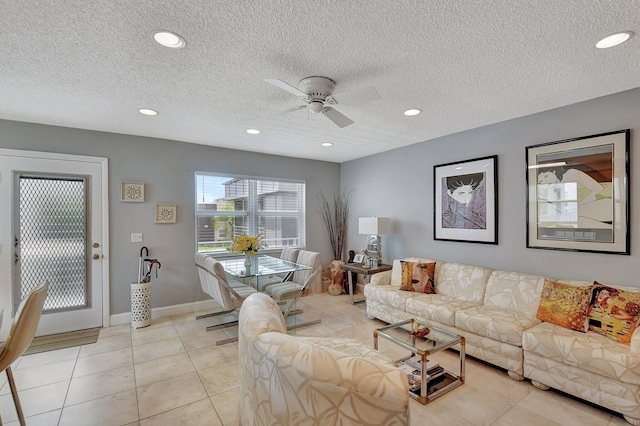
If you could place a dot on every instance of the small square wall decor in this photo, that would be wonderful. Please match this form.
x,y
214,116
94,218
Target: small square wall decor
x,y
165,213
132,192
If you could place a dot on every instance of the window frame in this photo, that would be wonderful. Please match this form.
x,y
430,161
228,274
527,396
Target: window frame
x,y
253,213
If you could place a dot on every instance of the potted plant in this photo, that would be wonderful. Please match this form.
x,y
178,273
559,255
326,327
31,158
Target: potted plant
x,y
335,215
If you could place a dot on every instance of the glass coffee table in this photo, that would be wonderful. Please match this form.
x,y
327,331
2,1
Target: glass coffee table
x,y
440,380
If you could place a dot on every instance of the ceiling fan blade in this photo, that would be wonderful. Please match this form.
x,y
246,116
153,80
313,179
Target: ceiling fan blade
x,y
287,111
338,118
357,96
285,86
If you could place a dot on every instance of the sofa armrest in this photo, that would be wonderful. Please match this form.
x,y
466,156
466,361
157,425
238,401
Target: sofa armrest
x,y
635,341
284,377
350,347
381,278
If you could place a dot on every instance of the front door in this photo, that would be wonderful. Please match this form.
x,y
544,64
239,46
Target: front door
x,y
53,230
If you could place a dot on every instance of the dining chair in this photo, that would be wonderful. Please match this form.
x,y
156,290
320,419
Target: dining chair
x,y
289,254
23,330
229,294
300,279
289,302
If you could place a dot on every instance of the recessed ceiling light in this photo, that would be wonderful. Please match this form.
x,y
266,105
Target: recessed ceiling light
x,y
614,40
147,111
169,39
326,144
413,111
253,131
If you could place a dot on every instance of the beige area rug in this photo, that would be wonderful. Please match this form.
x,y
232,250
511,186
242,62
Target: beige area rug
x,y
63,340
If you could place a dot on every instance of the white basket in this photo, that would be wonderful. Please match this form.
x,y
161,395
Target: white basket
x,y
140,305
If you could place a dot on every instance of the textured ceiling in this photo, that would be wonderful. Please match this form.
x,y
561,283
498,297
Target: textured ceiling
x,y
93,64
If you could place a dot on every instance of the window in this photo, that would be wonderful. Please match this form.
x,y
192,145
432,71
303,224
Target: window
x,y
227,207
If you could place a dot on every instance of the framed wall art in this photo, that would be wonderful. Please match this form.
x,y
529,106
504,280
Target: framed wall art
x,y
132,192
165,213
578,194
466,201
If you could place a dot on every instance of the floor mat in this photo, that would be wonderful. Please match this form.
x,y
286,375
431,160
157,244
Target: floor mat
x,y
63,340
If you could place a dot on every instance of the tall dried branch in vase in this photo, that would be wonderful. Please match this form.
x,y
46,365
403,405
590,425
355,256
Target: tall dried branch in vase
x,y
335,216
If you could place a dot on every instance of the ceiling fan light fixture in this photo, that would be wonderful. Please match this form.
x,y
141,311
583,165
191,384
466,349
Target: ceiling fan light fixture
x,y
614,39
148,111
317,94
253,131
169,39
411,112
316,106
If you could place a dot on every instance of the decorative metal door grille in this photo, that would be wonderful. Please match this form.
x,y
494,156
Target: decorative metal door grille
x,y
51,239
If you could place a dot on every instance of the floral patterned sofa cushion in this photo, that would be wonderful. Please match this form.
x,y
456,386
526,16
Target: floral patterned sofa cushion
x,y
390,295
437,307
588,351
514,292
463,282
496,324
510,304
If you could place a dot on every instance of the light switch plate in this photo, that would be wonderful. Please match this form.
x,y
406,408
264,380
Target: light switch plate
x,y
136,237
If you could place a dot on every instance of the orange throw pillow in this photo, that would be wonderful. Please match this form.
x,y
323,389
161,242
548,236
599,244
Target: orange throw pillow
x,y
564,305
418,277
614,313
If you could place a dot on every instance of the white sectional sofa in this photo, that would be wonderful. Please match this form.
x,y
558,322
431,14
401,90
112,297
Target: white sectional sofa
x,y
295,380
496,313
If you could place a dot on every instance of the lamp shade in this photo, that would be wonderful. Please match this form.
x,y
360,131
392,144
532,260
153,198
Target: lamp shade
x,y
374,225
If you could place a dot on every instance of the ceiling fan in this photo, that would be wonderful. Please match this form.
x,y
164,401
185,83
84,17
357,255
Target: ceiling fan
x,y
317,94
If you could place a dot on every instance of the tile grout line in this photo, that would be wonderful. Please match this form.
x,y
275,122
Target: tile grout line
x,y
197,374
75,365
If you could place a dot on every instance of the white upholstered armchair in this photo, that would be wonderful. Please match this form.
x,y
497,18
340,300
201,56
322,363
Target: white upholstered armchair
x,y
293,380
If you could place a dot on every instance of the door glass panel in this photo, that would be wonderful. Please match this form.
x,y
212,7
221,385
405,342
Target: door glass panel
x,y
51,244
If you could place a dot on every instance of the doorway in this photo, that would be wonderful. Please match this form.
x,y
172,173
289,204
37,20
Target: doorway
x,y
55,228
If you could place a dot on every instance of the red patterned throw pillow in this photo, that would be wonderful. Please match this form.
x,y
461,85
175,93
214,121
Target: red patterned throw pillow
x,y
564,305
614,313
418,277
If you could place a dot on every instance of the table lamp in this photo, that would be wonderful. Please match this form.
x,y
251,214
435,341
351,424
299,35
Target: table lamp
x,y
374,227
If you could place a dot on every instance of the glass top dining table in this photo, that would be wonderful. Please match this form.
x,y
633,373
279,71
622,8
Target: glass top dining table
x,y
263,268
267,270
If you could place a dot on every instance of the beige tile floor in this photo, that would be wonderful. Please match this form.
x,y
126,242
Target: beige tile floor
x,y
171,373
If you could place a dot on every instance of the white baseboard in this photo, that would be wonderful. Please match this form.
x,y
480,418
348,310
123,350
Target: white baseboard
x,y
167,311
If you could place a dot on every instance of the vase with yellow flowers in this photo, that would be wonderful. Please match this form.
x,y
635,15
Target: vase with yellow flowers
x,y
247,244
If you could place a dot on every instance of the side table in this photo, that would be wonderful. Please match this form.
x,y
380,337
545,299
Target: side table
x,y
367,272
431,385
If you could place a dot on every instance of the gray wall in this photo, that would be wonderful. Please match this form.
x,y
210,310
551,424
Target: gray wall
x,y
167,168
399,184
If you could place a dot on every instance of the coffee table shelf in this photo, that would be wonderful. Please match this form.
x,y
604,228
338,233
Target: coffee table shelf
x,y
438,384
